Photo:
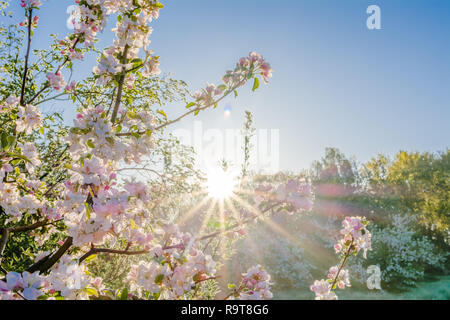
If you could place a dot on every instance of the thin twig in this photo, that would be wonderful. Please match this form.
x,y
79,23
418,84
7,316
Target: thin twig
x,y
198,109
120,88
347,254
3,242
27,56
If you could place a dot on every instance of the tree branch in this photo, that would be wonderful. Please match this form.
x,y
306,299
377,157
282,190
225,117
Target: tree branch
x,y
93,250
57,70
50,260
31,227
120,88
3,242
187,113
347,254
27,56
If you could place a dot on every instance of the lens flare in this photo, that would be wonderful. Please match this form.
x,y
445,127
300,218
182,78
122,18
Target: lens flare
x,y
221,184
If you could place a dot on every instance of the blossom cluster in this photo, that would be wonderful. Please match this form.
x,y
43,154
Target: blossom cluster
x,y
28,116
30,3
67,279
14,203
355,238
28,119
90,21
255,284
34,22
175,269
96,210
22,286
247,68
132,34
340,276
97,203
93,133
56,80
18,191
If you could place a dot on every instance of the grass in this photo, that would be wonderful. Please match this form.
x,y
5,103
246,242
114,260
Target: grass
x,y
427,290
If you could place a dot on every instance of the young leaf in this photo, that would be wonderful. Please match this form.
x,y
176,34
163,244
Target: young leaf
x,y
162,113
90,144
255,84
124,294
159,278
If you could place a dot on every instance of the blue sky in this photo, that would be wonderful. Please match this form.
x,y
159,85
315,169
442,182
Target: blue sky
x,y
335,84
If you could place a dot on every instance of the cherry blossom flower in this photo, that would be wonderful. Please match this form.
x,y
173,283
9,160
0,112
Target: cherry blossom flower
x,y
56,80
30,3
27,285
322,289
342,277
355,237
256,284
29,119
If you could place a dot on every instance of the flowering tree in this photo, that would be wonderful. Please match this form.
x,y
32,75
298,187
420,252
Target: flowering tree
x,y
60,188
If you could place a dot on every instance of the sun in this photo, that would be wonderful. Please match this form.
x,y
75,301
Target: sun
x,y
221,184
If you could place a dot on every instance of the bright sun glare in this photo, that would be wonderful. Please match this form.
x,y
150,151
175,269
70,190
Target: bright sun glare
x,y
221,184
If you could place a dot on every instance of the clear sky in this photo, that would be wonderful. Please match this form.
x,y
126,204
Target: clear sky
x,y
335,84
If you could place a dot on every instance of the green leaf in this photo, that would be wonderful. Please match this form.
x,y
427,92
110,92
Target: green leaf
x,y
91,291
19,156
42,130
4,140
110,140
156,295
88,211
124,294
7,141
159,278
90,258
190,105
75,130
90,144
255,84
162,113
235,93
11,140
